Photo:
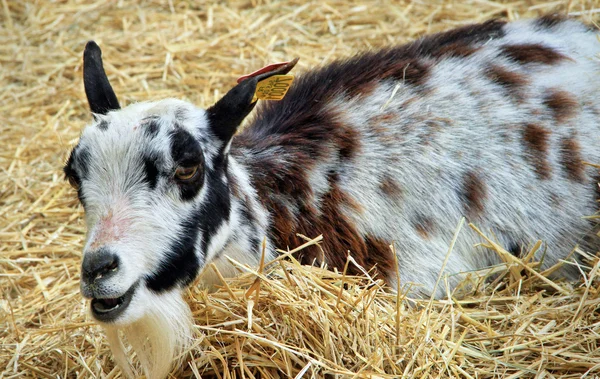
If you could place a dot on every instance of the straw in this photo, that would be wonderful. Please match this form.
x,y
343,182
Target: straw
x,y
282,319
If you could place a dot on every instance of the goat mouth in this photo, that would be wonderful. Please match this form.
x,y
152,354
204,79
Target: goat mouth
x,y
109,309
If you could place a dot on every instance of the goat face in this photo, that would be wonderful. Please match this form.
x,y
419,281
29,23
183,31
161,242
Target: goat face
x,y
140,174
152,180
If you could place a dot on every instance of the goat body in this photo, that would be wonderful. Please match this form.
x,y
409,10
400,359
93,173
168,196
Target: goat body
x,y
492,122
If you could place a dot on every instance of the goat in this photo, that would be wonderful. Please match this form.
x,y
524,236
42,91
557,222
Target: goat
x,y
492,122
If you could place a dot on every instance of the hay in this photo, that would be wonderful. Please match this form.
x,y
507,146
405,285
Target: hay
x,y
296,321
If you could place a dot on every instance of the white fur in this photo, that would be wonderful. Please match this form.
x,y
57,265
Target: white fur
x,y
158,338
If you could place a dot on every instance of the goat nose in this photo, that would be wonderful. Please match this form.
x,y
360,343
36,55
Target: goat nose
x,y
98,264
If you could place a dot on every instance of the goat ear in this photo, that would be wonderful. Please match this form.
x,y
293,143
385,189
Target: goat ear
x,y
100,94
226,115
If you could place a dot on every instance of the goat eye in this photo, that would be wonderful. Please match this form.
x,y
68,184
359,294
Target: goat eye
x,y
73,182
186,173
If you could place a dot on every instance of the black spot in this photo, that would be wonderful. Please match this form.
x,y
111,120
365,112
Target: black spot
x,y
220,160
245,215
78,158
180,114
181,264
103,125
255,245
215,210
151,172
83,159
151,128
185,149
80,196
68,169
186,152
515,249
412,72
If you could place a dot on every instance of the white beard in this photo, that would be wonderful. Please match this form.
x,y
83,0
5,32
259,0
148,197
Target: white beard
x,y
159,338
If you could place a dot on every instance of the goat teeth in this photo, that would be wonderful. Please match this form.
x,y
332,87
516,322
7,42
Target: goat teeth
x,y
106,305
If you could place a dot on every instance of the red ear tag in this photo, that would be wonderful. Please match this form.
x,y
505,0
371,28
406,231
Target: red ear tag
x,y
271,67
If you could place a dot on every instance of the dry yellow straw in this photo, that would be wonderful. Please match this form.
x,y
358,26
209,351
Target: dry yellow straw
x,y
296,321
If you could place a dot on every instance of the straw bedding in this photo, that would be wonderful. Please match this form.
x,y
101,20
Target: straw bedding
x,y
283,320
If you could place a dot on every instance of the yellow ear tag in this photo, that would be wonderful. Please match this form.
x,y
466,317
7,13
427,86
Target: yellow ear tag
x,y
273,88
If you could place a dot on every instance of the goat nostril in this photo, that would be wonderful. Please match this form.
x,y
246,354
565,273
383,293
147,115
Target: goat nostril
x,y
110,267
113,266
99,263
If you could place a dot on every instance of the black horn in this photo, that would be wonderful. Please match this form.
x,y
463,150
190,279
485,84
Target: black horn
x,y
98,90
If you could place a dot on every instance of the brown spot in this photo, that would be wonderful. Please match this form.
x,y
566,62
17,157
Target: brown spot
x,y
532,53
286,146
549,21
563,105
455,50
342,197
430,128
571,160
348,142
459,40
364,89
282,223
536,142
474,193
378,254
424,226
380,125
385,118
380,131
390,187
339,232
511,81
412,72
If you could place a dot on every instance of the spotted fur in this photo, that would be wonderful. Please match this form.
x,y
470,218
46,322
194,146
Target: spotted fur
x,y
491,122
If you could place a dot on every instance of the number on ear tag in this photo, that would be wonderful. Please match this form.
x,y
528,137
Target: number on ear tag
x,y
273,88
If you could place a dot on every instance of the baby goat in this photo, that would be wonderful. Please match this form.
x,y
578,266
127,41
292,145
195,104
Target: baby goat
x,y
492,122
